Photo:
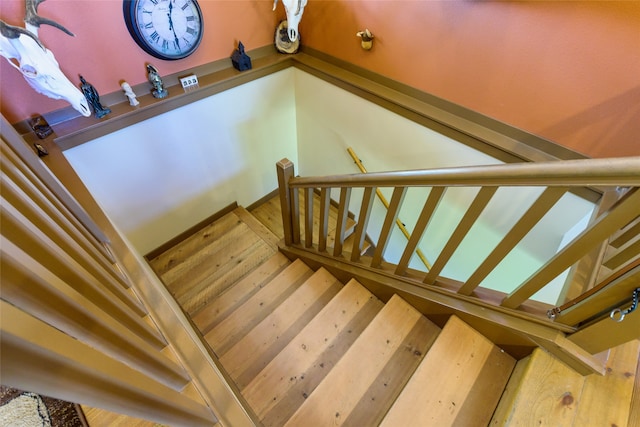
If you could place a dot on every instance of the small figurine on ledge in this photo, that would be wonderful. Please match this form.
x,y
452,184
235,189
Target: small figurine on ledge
x,y
93,98
40,126
154,78
40,150
239,59
133,101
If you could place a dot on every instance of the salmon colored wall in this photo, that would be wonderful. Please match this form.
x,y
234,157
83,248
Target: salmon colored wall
x,y
104,52
567,71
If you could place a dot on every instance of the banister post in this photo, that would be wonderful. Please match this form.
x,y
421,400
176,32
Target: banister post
x,y
285,172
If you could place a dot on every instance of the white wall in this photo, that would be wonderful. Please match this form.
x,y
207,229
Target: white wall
x,y
159,177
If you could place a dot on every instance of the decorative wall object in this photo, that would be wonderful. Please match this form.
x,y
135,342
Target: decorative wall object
x,y
239,59
158,86
40,126
92,96
294,10
40,150
168,30
367,39
282,41
37,63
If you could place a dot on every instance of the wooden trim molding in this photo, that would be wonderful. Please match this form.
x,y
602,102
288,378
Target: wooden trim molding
x,y
497,139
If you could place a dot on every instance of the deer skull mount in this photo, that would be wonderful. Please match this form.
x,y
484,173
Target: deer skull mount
x,y
26,53
294,10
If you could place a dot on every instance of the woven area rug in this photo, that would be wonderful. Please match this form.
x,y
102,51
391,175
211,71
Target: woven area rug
x,y
25,409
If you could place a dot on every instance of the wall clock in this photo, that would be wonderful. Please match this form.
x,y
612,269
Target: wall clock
x,y
166,29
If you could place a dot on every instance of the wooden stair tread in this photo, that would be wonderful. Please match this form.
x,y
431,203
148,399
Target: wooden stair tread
x,y
634,411
470,373
283,385
257,227
183,250
365,382
541,391
606,400
223,277
185,276
253,352
268,213
232,298
256,308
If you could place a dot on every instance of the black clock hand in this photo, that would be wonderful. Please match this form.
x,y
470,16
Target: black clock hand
x,y
169,15
177,41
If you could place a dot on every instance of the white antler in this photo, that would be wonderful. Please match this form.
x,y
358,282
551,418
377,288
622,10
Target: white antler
x,y
36,63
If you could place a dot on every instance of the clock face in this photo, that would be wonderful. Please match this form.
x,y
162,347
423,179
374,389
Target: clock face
x,y
166,29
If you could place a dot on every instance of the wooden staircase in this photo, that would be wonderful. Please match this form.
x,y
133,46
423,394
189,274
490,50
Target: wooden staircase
x,y
303,349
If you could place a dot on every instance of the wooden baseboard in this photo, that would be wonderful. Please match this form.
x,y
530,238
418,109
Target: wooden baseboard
x,y
262,200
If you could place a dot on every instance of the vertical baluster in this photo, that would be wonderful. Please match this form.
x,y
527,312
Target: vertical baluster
x,y
341,224
619,215
51,222
430,206
389,220
295,215
323,227
530,218
30,183
477,206
39,357
308,217
363,221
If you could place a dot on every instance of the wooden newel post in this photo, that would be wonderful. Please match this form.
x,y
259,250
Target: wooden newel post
x,y
285,172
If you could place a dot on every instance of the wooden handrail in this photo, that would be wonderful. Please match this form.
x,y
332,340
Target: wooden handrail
x,y
623,171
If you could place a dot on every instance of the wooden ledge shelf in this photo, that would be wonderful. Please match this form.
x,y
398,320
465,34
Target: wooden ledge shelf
x,y
213,78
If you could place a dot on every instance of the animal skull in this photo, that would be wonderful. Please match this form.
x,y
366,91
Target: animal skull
x,y
26,53
294,10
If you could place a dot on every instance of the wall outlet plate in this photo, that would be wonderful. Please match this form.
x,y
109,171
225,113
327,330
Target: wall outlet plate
x,y
189,82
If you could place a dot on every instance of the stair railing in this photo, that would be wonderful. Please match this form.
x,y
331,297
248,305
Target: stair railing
x,y
555,178
385,203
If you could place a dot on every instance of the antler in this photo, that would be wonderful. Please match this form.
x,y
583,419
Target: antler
x,y
12,32
32,17
34,21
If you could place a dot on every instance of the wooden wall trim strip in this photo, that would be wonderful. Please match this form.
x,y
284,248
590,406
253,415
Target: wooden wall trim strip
x,y
497,139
